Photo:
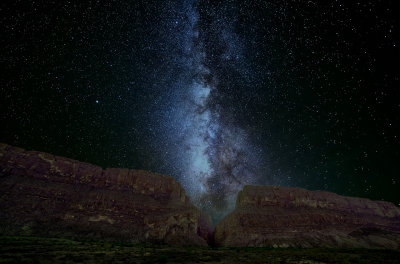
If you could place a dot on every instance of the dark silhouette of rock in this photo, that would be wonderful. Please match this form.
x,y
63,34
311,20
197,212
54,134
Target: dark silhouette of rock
x,y
46,195
292,217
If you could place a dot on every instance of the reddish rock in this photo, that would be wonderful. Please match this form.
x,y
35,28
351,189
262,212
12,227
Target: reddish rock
x,y
46,195
292,217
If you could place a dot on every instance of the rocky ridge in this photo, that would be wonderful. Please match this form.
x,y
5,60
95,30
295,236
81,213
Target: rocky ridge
x,y
46,195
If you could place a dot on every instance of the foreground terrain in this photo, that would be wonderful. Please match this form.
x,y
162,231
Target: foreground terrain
x,y
52,250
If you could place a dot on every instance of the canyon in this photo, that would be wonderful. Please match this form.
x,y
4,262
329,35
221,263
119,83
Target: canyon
x,y
50,196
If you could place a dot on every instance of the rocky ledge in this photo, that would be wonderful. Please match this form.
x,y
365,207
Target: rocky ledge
x,y
46,195
292,217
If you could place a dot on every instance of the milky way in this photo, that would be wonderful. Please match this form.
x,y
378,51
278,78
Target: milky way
x,y
215,153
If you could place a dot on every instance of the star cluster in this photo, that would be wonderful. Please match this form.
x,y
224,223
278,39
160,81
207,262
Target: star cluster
x,y
217,94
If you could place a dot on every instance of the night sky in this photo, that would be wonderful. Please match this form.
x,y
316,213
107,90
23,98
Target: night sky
x,y
217,94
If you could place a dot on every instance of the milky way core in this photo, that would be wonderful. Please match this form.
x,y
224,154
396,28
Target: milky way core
x,y
215,153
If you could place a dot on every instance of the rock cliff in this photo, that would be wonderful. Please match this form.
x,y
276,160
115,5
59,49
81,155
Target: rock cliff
x,y
293,217
46,195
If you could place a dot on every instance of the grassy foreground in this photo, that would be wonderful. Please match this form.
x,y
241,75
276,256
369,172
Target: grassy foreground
x,y
52,250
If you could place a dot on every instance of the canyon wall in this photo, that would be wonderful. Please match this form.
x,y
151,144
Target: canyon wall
x,y
46,195
292,217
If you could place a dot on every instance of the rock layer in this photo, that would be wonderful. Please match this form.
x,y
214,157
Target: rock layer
x,y
46,195
292,217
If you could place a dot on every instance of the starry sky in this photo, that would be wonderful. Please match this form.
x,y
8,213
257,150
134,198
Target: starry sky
x,y
217,94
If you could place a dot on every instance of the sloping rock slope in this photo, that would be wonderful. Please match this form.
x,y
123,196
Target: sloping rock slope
x,y
46,195
292,217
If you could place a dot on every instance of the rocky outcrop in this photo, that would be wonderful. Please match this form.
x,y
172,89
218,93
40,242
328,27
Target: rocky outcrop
x,y
46,195
292,217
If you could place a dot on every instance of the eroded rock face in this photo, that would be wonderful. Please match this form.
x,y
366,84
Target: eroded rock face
x,y
46,195
292,217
